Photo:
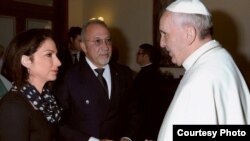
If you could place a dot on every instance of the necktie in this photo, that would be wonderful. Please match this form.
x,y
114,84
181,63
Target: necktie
x,y
75,59
101,78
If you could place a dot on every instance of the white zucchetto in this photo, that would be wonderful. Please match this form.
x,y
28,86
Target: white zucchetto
x,y
189,7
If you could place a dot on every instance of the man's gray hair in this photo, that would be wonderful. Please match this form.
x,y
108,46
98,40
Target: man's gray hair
x,y
202,23
90,22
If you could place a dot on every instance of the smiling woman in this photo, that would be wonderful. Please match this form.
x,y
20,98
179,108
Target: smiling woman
x,y
30,62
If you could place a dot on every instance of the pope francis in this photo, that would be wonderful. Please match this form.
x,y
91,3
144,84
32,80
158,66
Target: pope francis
x,y
212,90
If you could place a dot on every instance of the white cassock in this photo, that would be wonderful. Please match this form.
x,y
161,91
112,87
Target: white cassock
x,y
212,91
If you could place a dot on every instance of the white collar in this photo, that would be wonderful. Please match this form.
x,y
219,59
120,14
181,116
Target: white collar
x,y
191,59
146,65
93,67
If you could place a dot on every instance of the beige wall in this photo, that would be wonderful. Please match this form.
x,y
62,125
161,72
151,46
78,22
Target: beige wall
x,y
75,13
131,24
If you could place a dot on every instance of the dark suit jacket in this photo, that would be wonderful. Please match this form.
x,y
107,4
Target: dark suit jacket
x,y
152,99
87,110
19,121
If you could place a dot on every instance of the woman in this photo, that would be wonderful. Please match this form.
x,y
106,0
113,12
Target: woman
x,y
28,112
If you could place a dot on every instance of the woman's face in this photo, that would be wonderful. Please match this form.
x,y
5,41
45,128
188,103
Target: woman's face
x,y
44,63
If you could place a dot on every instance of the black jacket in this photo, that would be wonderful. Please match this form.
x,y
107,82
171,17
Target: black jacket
x,y
19,121
88,112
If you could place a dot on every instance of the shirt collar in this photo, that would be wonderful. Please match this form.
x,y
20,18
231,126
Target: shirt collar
x,y
146,65
93,67
187,64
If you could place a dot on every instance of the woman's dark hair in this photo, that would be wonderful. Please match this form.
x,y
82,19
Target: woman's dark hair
x,y
25,43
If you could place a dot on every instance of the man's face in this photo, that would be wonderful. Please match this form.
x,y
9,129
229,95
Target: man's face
x,y
140,57
77,42
97,45
172,37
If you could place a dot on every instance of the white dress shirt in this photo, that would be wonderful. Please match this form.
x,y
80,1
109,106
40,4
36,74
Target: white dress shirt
x,y
106,74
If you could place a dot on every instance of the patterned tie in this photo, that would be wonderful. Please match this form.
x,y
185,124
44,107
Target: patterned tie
x,y
101,78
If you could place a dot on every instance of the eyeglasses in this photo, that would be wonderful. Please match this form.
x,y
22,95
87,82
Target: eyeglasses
x,y
99,42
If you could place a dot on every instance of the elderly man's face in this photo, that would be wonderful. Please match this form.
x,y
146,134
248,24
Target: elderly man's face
x,y
172,37
97,44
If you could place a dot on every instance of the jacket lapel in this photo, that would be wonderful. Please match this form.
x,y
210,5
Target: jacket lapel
x,y
90,80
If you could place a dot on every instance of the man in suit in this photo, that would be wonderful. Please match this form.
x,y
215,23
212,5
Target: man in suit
x,y
149,85
74,44
97,110
71,53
